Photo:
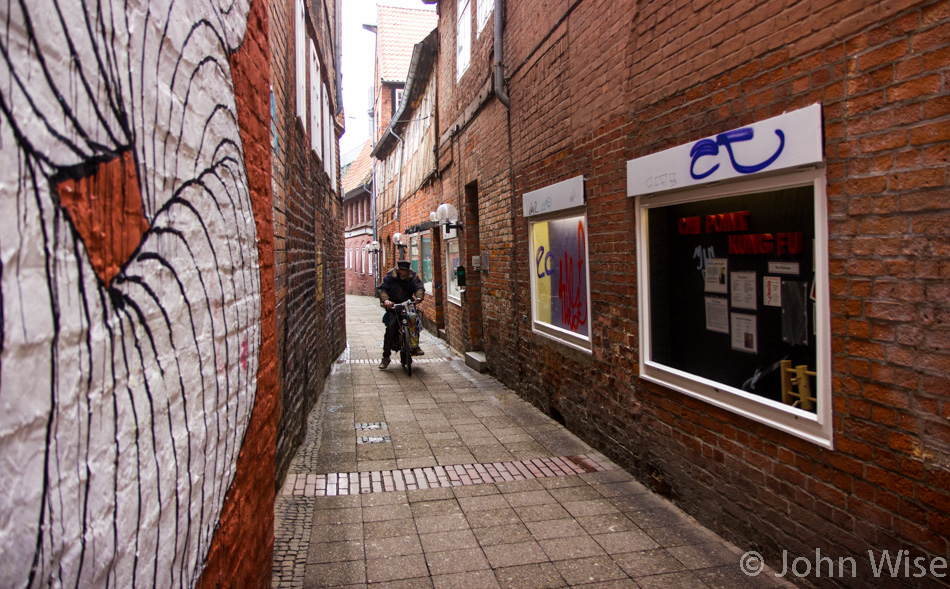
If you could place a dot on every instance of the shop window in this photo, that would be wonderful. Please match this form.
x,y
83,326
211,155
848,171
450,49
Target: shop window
x,y
452,264
426,276
560,292
732,277
414,254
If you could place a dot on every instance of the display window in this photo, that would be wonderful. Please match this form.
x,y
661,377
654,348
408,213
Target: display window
x,y
733,275
734,305
560,293
426,274
453,261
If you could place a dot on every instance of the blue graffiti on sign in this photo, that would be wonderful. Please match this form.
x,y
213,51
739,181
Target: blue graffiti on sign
x,y
711,148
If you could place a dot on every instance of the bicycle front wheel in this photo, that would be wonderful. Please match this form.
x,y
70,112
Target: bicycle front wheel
x,y
405,354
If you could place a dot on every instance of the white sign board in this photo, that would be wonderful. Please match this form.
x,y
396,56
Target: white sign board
x,y
787,141
556,197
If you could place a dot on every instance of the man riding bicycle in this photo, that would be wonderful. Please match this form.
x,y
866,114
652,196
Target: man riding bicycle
x,y
399,285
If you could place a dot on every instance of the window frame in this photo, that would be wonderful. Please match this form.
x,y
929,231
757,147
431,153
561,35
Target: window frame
x,y
451,280
815,427
483,11
547,330
463,17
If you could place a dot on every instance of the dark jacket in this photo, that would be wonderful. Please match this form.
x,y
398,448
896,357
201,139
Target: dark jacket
x,y
399,291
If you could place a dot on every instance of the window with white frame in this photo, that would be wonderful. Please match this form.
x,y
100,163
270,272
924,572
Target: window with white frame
x,y
483,9
463,37
452,263
732,272
560,289
316,129
426,272
300,62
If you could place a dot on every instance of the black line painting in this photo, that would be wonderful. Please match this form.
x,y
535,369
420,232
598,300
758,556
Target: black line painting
x,y
129,288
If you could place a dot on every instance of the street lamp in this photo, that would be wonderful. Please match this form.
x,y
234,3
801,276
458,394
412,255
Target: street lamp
x,y
373,249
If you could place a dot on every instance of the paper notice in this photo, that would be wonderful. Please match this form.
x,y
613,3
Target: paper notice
x,y
716,271
717,314
744,333
743,290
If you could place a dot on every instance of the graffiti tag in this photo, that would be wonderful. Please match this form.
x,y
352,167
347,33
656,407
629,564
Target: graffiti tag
x,y
708,147
573,308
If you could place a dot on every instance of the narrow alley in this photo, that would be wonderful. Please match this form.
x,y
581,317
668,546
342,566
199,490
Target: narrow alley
x,y
448,479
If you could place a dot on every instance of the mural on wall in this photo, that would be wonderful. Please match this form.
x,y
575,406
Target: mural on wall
x,y
129,288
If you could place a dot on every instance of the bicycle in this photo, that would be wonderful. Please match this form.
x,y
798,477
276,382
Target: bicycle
x,y
404,341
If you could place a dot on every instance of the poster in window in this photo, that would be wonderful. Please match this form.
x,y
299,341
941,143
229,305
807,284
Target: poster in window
x,y
716,271
717,314
560,273
743,290
744,337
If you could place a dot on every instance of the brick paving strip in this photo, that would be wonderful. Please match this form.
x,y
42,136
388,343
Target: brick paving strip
x,y
434,477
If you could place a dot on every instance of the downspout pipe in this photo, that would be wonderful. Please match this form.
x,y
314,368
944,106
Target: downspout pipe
x,y
499,65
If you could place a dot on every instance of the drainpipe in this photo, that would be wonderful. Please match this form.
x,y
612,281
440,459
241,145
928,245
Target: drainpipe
x,y
499,66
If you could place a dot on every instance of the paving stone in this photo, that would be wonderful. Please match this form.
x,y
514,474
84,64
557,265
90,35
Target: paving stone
x,y
555,528
572,547
681,580
507,534
393,546
542,575
589,570
389,528
626,541
395,568
452,540
456,561
506,555
648,562
483,579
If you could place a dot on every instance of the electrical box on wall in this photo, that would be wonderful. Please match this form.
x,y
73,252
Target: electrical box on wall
x,y
476,263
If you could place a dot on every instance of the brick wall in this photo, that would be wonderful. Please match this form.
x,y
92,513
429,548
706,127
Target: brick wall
x,y
590,91
308,219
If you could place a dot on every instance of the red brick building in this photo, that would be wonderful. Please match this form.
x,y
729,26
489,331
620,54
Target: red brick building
x,y
306,122
664,206
358,225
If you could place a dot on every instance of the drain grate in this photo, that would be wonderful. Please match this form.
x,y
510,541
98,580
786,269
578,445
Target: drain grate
x,y
374,440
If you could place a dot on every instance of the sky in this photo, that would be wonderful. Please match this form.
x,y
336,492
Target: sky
x,y
358,48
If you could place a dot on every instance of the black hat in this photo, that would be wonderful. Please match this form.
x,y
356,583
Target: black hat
x,y
404,265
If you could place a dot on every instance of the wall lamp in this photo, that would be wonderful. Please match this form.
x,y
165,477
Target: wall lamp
x,y
400,240
372,247
446,215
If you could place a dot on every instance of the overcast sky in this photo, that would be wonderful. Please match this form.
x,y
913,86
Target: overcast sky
x,y
358,47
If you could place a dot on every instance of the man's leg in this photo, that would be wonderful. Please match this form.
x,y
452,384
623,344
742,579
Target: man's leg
x,y
389,342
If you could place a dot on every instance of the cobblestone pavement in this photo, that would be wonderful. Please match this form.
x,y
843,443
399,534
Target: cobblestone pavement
x,y
448,479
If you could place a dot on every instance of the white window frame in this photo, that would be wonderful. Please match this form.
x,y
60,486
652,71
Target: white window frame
x,y
564,336
316,127
814,427
463,37
483,10
453,293
300,54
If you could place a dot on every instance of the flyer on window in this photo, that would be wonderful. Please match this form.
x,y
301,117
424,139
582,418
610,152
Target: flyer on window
x,y
744,336
717,314
716,271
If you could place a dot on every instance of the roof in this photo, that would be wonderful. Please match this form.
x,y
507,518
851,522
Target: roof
x,y
360,171
398,29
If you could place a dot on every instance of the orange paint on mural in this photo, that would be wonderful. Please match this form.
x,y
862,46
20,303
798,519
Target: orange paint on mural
x,y
110,230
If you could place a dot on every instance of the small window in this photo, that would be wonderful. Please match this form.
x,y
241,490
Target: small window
x,y
300,62
463,38
560,292
483,9
453,262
